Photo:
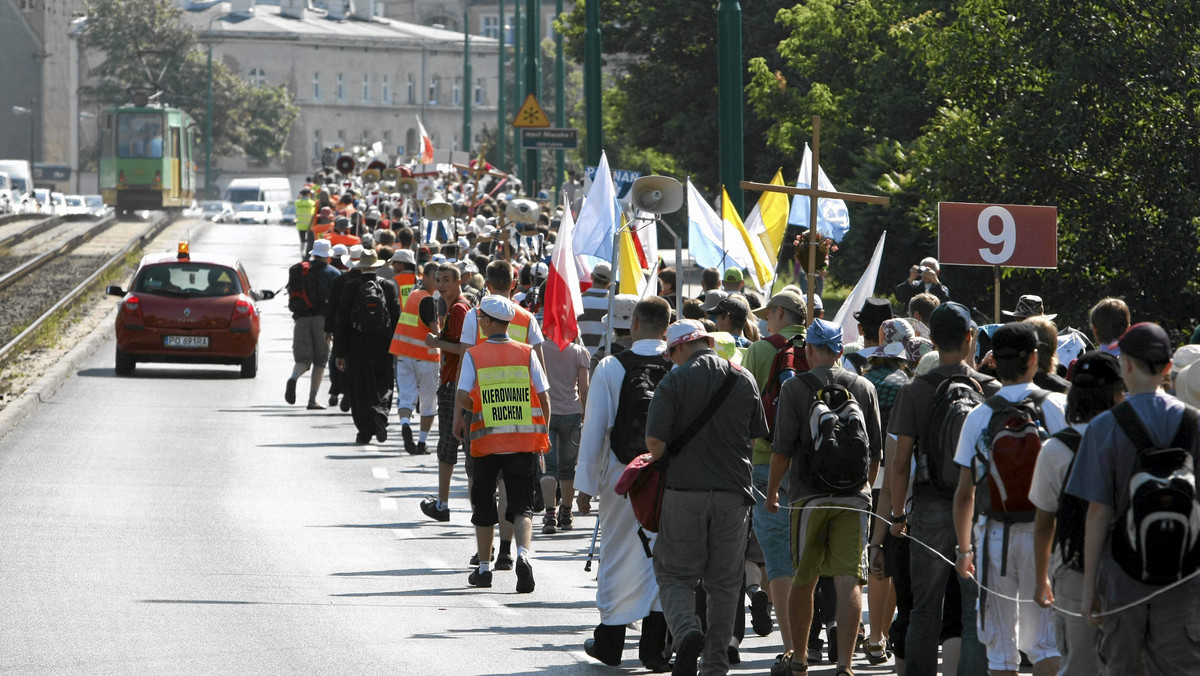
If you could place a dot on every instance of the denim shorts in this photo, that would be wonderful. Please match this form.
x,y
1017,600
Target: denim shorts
x,y
774,531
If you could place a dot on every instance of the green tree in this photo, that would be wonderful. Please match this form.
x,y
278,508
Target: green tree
x,y
146,45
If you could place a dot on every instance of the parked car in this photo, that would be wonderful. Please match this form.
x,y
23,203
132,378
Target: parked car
x,y
258,213
188,308
289,214
217,211
97,206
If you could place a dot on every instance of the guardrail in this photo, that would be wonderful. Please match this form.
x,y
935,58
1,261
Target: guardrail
x,y
14,345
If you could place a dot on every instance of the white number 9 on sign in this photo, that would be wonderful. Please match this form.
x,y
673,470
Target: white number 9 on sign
x,y
1006,238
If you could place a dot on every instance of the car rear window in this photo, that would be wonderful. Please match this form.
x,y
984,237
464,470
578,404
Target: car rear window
x,y
191,280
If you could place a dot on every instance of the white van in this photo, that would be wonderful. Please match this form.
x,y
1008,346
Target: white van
x,y
274,190
19,174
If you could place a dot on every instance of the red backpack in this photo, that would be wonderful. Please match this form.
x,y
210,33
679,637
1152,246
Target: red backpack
x,y
1014,438
789,360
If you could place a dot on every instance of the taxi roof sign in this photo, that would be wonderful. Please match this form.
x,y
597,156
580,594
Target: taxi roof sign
x,y
531,115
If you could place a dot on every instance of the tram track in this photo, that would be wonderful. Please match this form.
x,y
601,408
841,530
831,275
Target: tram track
x,y
46,281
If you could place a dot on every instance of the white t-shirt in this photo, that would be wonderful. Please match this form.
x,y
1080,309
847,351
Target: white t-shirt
x,y
466,378
470,329
1050,473
977,420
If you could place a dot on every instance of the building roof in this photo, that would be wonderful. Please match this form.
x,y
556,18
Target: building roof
x,y
266,22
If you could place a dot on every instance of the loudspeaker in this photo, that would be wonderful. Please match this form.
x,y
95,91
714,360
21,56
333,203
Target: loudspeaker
x,y
370,176
522,211
657,194
437,209
391,174
377,165
406,186
345,165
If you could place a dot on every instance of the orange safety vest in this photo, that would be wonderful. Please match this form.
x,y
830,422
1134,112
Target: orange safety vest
x,y
406,281
518,328
506,412
320,230
409,339
349,240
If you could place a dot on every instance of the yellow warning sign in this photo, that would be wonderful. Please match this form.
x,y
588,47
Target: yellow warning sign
x,y
531,114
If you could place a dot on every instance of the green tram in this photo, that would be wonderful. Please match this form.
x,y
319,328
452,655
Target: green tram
x,y
146,159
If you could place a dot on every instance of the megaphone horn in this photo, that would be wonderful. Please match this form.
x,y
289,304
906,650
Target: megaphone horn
x,y
391,174
377,165
657,194
345,165
406,186
437,209
522,211
370,176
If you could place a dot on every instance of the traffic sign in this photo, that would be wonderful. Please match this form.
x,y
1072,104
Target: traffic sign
x,y
1008,235
554,138
531,114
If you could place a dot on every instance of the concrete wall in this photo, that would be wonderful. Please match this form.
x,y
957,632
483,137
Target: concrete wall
x,y
20,81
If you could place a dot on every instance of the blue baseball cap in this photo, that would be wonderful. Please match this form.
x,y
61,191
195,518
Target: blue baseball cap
x,y
825,334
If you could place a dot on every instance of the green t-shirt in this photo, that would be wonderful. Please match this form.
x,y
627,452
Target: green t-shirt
x,y
757,360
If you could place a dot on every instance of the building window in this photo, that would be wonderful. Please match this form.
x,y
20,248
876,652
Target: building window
x,y
457,91
317,149
491,26
258,78
341,139
316,86
411,93
510,32
386,91
366,88
434,84
365,139
479,91
341,89
387,141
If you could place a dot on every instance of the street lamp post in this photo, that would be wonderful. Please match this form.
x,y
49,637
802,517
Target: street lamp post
x,y
517,84
729,93
467,89
501,113
591,81
560,113
533,10
208,115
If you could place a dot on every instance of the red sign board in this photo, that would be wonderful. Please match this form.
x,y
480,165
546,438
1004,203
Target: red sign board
x,y
1009,235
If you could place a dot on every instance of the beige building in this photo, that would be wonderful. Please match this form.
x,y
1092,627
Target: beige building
x,y
357,78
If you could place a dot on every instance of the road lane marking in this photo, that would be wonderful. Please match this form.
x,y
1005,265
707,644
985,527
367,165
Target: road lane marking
x,y
389,504
379,472
402,533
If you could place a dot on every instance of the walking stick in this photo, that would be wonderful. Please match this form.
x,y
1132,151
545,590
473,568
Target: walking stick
x,y
587,567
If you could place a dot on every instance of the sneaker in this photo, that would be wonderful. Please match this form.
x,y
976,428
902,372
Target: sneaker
x,y
430,509
549,523
406,435
381,433
503,562
524,575
760,612
362,439
814,656
876,652
475,558
687,652
314,406
733,654
565,520
289,392
479,578
421,449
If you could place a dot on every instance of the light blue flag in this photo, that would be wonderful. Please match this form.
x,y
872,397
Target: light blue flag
x,y
833,218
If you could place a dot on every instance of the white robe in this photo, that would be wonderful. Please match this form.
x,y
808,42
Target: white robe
x,y
626,589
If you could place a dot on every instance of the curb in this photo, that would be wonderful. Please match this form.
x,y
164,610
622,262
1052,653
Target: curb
x,y
48,384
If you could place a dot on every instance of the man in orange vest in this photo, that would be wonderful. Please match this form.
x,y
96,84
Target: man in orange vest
x,y
503,385
341,233
417,365
524,328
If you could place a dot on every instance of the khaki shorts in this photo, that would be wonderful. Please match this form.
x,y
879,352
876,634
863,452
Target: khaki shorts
x,y
308,341
829,542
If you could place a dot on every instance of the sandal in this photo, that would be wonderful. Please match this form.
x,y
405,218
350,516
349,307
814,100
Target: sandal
x,y
786,667
876,652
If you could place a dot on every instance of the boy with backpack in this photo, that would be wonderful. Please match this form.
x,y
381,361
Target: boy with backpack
x,y
1096,386
1136,469
997,451
925,506
309,284
827,440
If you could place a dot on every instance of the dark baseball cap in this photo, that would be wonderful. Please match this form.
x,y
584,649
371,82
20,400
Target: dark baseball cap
x,y
1146,341
1095,369
734,306
1014,340
951,315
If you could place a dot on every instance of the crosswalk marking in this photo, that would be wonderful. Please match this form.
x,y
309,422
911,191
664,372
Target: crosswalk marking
x,y
379,472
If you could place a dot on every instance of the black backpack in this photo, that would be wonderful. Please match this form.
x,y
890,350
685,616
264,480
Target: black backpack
x,y
953,398
1157,539
1071,518
841,451
369,314
642,375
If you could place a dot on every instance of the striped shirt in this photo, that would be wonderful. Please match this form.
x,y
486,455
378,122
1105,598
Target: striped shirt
x,y
591,328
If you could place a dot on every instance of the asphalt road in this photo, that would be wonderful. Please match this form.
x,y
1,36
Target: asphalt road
x,y
185,520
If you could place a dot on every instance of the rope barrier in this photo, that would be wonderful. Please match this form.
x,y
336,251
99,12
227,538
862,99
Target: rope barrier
x,y
979,584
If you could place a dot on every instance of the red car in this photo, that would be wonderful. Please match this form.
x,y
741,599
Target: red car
x,y
191,309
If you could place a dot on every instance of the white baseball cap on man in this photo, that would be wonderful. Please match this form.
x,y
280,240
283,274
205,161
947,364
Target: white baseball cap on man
x,y
498,308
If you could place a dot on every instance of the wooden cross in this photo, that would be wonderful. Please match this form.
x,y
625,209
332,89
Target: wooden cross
x,y
814,193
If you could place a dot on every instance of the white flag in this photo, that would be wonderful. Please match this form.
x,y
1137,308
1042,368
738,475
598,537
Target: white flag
x,y
862,291
599,217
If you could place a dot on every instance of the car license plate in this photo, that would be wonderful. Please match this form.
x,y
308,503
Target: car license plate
x,y
185,341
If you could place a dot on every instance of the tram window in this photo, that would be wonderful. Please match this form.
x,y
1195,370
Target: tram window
x,y
139,136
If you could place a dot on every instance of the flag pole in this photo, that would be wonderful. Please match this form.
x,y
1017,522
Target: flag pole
x,y
812,215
